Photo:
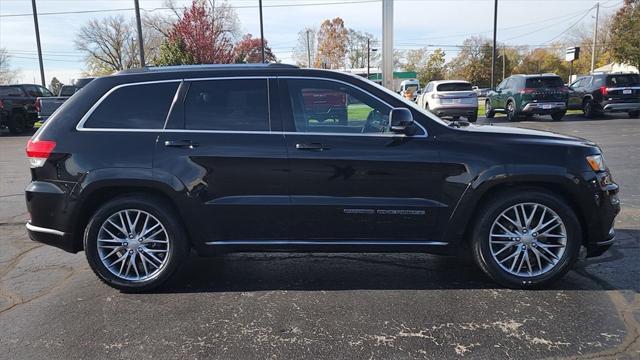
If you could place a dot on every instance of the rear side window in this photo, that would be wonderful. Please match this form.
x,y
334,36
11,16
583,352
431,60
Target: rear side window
x,y
623,80
228,105
67,90
544,82
455,87
134,107
11,91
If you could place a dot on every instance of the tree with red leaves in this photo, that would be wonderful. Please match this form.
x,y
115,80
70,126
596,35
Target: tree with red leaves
x,y
249,50
203,35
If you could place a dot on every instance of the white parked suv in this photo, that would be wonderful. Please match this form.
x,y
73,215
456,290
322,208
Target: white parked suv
x,y
453,98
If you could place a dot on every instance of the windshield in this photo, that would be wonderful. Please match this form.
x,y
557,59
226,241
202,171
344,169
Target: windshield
x,y
461,86
623,80
544,82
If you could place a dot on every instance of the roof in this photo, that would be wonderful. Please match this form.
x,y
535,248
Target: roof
x,y
534,75
438,82
205,67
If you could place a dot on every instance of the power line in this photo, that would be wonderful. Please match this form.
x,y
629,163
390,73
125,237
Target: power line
x,y
572,25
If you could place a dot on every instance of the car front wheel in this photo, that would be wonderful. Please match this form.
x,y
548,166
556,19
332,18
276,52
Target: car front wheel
x,y
526,239
135,243
489,113
512,115
557,116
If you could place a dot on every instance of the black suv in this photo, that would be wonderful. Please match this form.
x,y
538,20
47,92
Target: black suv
x,y
598,93
528,95
142,166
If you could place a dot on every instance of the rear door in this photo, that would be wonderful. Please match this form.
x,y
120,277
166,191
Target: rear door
x,y
577,92
498,101
355,180
219,144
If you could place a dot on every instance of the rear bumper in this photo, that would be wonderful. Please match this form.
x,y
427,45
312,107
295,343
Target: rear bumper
x,y
621,107
544,107
455,110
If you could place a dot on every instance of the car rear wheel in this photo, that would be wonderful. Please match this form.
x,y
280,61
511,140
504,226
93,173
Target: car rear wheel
x,y
472,118
588,109
557,116
17,123
489,113
634,114
526,238
512,115
135,243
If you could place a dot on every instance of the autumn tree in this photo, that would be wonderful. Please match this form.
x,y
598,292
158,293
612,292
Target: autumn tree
x,y
434,69
543,60
55,85
249,50
359,46
415,59
306,46
473,63
333,39
173,52
7,74
625,30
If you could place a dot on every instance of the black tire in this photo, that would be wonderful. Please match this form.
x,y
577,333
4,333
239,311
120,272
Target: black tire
x,y
588,109
472,118
557,116
17,123
494,208
163,212
634,114
489,113
529,116
512,113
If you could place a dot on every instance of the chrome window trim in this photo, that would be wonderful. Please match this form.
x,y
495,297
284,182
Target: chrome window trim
x,y
321,242
80,125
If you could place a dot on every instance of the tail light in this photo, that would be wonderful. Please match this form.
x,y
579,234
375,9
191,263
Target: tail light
x,y
1,105
527,91
38,152
435,96
38,104
604,90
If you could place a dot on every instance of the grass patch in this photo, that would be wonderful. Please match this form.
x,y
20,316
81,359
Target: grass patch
x,y
357,112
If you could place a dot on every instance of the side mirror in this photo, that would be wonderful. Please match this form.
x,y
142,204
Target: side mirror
x,y
401,120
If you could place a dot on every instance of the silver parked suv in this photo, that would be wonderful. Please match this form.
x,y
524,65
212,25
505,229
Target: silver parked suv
x,y
453,98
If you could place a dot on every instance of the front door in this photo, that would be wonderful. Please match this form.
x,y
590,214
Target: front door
x,y
350,177
224,152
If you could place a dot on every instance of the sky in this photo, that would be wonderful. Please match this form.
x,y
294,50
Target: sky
x,y
417,23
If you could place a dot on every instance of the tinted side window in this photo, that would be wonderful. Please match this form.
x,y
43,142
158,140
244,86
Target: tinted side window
x,y
134,107
331,107
623,80
44,91
32,91
11,91
232,105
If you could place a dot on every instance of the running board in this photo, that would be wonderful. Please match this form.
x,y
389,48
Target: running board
x,y
321,242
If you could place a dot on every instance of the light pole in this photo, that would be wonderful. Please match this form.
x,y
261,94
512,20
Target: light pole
x,y
369,51
387,44
308,49
595,38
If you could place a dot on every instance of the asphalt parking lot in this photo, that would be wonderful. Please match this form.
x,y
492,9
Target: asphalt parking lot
x,y
325,306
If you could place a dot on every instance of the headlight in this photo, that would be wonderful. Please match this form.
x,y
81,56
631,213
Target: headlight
x,y
596,162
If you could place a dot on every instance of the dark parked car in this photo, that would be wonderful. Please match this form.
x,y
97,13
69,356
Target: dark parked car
x,y
47,105
542,94
598,93
142,166
17,106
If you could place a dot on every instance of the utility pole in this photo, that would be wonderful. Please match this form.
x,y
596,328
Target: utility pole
x,y
387,44
140,38
495,33
595,38
262,31
308,49
504,63
35,23
368,58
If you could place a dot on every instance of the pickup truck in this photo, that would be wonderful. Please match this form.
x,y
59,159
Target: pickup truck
x,y
17,106
47,105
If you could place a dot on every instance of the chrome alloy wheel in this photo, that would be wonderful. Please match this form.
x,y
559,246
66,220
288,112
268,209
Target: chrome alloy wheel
x,y
133,245
527,239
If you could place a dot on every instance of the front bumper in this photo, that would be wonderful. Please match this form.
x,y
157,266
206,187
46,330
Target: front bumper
x,y
544,107
51,237
621,107
600,220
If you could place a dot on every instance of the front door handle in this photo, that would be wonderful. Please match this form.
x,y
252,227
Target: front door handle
x,y
181,144
311,147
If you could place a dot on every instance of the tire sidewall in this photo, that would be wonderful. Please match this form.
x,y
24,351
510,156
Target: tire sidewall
x,y
490,265
155,208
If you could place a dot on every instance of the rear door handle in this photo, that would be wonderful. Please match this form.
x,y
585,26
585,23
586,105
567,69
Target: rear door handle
x,y
181,144
311,147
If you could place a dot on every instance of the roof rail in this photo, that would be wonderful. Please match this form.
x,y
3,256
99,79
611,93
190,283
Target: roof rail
x,y
207,67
